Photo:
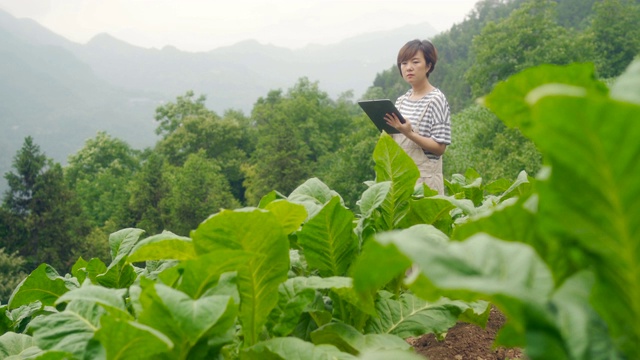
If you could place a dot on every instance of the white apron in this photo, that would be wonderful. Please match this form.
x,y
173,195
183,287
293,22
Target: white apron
x,y
430,169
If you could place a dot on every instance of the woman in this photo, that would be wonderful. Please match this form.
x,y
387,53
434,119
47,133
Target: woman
x,y
427,132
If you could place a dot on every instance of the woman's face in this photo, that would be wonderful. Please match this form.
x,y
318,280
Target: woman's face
x,y
415,69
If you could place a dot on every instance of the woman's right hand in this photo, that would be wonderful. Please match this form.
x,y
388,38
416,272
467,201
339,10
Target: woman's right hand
x,y
393,121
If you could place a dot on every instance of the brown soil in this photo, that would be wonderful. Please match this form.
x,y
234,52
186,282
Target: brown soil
x,y
467,342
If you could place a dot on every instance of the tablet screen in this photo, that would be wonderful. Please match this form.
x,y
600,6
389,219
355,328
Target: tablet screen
x,y
376,109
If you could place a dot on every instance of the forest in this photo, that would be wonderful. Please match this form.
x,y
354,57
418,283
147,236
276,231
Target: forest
x,y
207,164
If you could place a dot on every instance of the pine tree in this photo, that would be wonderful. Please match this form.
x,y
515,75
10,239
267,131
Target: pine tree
x,y
29,162
41,218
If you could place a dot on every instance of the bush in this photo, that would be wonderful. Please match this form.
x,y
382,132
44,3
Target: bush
x,y
11,266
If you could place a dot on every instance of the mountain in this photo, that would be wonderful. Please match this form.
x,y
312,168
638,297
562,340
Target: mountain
x,y
235,76
62,93
51,95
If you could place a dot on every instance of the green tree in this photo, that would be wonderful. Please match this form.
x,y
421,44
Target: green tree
x,y
11,273
12,229
226,140
347,169
197,190
29,164
280,161
47,220
617,35
455,54
529,36
147,190
575,13
388,84
171,116
99,173
293,132
485,144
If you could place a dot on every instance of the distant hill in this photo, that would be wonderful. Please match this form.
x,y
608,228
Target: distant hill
x,y
62,93
48,93
235,76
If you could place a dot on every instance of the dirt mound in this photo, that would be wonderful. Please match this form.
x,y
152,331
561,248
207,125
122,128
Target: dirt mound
x,y
467,342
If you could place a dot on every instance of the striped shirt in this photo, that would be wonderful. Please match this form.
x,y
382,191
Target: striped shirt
x,y
436,122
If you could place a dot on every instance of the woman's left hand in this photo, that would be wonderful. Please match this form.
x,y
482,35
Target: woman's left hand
x,y
393,121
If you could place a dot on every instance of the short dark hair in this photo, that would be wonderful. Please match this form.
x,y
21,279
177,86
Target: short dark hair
x,y
412,47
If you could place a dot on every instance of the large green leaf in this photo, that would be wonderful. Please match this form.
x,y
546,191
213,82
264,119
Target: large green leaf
x,y
350,340
468,187
261,237
117,276
373,197
184,320
412,316
17,346
352,307
128,340
290,215
312,194
296,296
507,100
286,315
271,196
370,203
49,355
122,242
505,223
17,319
584,331
315,189
480,265
162,247
518,222
510,275
590,203
113,300
591,199
70,330
293,348
43,284
431,211
120,274
309,322
328,240
378,264
393,164
79,269
153,268
94,268
521,187
5,320
198,276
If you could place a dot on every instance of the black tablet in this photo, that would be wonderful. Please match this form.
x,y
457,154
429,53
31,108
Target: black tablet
x,y
376,109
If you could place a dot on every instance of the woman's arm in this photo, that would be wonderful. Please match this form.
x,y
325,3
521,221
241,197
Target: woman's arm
x,y
424,142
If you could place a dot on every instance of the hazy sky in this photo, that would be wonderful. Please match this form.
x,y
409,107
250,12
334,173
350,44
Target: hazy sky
x,y
202,25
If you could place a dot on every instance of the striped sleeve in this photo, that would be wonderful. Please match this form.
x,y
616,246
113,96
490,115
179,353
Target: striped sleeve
x,y
438,119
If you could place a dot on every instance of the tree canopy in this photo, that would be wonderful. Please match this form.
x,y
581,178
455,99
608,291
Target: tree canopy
x,y
42,218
